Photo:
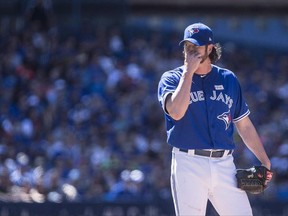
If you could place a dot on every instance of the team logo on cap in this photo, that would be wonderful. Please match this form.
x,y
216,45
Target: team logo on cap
x,y
226,118
193,31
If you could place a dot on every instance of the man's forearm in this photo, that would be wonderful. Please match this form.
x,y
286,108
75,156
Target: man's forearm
x,y
178,102
251,139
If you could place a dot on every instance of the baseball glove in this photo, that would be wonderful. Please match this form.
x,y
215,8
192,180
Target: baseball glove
x,y
254,180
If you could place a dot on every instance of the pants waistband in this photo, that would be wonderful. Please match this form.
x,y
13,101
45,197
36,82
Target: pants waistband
x,y
207,153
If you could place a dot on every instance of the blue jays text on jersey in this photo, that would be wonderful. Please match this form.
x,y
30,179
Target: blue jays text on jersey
x,y
199,96
216,101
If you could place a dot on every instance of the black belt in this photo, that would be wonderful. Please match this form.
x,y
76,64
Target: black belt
x,y
208,153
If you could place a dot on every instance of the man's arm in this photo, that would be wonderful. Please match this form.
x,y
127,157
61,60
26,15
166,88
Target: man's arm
x,y
177,103
251,139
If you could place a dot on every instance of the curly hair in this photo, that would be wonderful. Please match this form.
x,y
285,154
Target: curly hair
x,y
216,52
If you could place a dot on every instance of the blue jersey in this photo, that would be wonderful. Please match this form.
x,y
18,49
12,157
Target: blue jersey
x,y
216,101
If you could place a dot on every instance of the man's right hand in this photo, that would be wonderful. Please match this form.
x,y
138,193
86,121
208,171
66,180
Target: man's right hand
x,y
192,59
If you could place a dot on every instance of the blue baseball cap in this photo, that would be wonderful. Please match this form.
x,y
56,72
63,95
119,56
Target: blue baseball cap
x,y
198,34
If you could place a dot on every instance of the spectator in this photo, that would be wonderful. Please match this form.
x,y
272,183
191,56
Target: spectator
x,y
79,112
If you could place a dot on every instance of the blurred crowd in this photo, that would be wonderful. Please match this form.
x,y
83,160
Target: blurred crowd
x,y
80,120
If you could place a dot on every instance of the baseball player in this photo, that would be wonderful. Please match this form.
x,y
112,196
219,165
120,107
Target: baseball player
x,y
202,102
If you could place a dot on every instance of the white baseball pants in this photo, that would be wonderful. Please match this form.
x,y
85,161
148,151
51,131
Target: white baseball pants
x,y
195,179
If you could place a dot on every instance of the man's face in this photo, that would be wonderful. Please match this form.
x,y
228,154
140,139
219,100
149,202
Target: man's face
x,y
192,49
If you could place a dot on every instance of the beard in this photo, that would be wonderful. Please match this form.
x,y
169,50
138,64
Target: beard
x,y
205,56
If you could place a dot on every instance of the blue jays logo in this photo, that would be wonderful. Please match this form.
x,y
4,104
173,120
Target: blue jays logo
x,y
226,118
193,31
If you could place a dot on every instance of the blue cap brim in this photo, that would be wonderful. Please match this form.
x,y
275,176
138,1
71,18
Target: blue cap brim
x,y
190,40
195,42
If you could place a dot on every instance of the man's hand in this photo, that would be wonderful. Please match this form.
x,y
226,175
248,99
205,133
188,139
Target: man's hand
x,y
192,59
254,180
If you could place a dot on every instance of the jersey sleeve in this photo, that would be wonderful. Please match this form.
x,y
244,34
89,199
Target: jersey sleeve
x,y
167,85
241,107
